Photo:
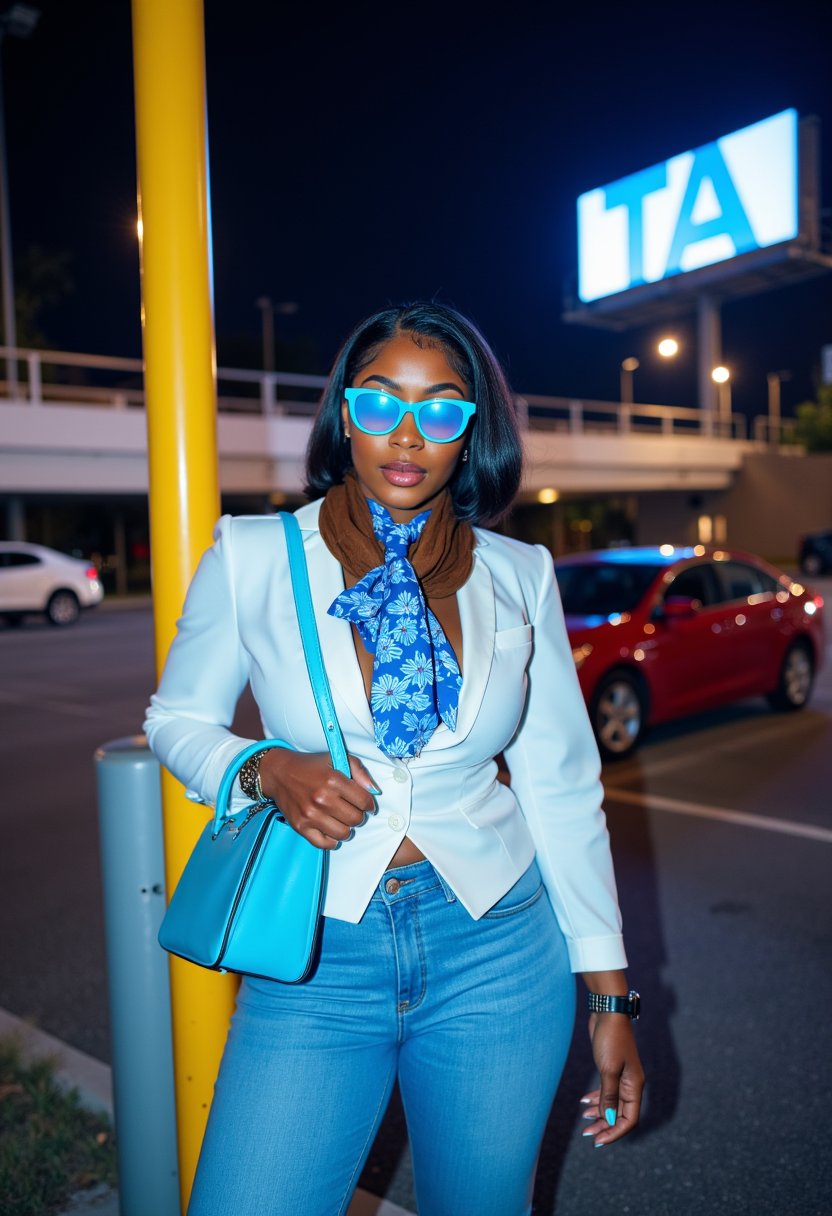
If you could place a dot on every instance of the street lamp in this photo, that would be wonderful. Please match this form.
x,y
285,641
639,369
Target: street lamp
x,y
287,308
19,21
774,380
668,347
721,376
628,366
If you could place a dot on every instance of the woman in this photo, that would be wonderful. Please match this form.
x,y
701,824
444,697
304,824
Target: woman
x,y
458,902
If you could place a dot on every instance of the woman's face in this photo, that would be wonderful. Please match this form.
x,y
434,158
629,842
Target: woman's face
x,y
404,471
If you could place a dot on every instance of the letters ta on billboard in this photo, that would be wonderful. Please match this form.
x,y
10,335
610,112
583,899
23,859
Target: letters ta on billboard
x,y
726,199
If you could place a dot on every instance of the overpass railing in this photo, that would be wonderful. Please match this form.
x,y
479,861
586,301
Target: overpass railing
x,y
69,378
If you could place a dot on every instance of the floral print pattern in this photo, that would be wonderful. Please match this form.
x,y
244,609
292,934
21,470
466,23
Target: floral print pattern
x,y
416,678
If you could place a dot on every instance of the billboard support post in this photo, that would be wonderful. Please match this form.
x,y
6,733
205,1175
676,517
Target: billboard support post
x,y
709,346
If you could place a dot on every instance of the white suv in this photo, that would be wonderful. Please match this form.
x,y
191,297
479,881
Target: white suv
x,y
36,579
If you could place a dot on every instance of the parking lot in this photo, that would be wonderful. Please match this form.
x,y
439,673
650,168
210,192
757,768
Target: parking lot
x,y
721,832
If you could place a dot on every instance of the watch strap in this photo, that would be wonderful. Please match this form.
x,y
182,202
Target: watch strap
x,y
249,777
629,1004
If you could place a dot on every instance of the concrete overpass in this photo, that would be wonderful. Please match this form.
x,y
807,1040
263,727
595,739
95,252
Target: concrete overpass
x,y
77,427
73,464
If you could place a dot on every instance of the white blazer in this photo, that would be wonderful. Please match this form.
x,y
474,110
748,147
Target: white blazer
x,y
519,696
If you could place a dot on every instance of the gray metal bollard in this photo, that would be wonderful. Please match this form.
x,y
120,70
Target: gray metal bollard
x,y
133,872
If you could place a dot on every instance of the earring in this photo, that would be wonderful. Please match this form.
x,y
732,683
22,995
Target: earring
x,y
464,456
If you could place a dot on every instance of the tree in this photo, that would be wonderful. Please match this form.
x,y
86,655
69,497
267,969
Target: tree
x,y
814,422
44,279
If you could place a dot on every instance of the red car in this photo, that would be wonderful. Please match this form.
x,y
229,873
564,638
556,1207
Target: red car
x,y
661,632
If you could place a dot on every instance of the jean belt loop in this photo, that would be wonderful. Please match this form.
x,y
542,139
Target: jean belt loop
x,y
450,895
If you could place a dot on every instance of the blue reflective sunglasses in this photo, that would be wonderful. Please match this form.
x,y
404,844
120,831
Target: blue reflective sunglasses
x,y
439,419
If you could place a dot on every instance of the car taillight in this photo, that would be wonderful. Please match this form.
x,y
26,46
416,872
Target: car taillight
x,y
91,572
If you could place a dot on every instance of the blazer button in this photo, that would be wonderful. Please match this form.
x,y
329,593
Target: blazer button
x,y
395,822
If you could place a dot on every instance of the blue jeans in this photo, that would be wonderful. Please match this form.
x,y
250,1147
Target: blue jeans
x,y
474,1019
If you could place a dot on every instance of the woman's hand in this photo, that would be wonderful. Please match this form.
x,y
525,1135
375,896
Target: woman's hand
x,y
320,803
614,1107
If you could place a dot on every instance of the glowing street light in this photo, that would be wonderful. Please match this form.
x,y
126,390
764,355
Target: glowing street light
x,y
628,366
721,376
668,347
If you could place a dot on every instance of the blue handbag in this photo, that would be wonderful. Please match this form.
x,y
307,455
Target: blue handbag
x,y
249,899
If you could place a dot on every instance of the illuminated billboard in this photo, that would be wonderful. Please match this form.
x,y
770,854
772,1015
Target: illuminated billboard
x,y
729,197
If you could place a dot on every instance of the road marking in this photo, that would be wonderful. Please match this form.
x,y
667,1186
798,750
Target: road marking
x,y
743,818
748,738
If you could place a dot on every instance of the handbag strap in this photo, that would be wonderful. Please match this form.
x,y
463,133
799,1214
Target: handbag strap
x,y
314,665
312,646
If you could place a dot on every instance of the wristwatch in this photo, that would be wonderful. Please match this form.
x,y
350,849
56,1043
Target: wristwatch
x,y
629,1004
249,777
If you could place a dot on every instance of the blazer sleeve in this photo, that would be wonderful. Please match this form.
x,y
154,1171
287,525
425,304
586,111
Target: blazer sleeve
x,y
555,773
187,723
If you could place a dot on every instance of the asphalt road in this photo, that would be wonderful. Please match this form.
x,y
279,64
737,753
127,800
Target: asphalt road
x,y
721,831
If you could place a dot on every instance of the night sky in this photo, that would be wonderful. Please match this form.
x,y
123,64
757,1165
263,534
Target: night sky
x,y
369,154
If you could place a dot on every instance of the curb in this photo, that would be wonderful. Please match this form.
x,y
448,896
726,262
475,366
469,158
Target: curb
x,y
124,603
76,1070
94,1083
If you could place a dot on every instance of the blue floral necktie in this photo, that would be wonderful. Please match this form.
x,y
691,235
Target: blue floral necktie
x,y
416,678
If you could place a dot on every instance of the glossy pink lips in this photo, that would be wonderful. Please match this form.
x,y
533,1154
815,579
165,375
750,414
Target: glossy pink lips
x,y
399,474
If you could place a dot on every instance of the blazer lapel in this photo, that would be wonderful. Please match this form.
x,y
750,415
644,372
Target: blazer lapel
x,y
477,615
326,580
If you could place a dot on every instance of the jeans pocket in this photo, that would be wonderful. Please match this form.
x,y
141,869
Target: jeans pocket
x,y
525,892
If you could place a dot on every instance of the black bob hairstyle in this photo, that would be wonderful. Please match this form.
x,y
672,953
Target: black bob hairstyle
x,y
483,487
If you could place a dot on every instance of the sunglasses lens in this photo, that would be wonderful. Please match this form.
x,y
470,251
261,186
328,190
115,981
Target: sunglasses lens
x,y
375,412
441,421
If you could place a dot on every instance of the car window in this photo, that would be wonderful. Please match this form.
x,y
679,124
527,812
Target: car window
x,y
604,588
698,582
739,581
19,559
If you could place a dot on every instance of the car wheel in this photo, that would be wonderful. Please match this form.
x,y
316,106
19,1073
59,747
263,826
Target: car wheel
x,y
618,714
797,674
63,608
811,565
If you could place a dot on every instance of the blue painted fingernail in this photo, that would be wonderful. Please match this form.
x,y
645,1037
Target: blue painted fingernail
x,y
374,790
609,1115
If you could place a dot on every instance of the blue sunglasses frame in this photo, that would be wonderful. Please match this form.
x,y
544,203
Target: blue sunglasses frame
x,y
468,409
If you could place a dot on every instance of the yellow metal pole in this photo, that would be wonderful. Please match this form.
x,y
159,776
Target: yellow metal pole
x,y
180,386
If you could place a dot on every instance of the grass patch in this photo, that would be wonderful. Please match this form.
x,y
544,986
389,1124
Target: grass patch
x,y
50,1145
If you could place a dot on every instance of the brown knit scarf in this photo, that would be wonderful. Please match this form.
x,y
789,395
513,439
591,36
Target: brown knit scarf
x,y
442,557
